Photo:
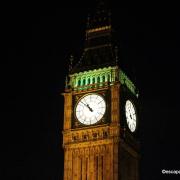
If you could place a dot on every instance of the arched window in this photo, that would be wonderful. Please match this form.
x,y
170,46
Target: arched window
x,y
108,77
89,81
79,82
84,81
93,80
103,79
98,79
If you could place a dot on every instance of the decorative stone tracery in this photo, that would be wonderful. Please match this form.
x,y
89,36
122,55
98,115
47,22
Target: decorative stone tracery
x,y
99,78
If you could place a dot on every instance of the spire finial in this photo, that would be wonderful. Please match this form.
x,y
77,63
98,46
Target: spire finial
x,y
101,16
66,83
71,62
116,54
88,21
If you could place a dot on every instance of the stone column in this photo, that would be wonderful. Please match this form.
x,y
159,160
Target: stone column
x,y
87,167
115,160
67,110
65,164
70,164
108,163
91,165
111,161
75,165
115,103
100,167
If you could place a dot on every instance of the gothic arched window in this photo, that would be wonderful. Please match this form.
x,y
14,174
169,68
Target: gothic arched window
x,y
103,79
89,81
84,81
108,77
93,80
79,82
98,79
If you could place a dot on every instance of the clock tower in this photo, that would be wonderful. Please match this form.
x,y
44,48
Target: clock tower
x,y
101,113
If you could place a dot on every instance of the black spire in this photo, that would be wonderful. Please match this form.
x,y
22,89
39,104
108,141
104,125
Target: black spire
x,y
98,50
101,16
98,26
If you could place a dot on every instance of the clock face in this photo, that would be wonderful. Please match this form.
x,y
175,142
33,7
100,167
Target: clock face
x,y
90,109
130,115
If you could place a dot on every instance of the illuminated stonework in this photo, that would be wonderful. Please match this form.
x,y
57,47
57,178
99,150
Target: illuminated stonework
x,y
99,29
97,142
88,79
125,80
100,151
100,77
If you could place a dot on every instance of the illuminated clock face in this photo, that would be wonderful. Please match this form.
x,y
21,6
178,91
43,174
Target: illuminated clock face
x,y
131,117
90,109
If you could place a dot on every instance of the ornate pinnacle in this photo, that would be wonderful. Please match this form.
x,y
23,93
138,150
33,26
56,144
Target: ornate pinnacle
x,y
66,83
71,63
116,54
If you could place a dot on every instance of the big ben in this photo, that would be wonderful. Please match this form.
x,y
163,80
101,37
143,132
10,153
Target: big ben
x,y
101,110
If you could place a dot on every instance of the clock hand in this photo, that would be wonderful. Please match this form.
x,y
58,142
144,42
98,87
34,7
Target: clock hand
x,y
89,108
87,105
83,103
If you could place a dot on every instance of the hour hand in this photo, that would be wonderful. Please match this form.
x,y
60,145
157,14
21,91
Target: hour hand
x,y
87,105
89,108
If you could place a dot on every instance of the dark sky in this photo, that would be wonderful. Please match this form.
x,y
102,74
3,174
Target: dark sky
x,y
38,41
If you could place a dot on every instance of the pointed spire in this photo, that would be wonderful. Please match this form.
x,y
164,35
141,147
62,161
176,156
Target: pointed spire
x,y
98,47
101,17
98,30
98,22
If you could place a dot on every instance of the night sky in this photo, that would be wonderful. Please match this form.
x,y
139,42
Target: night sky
x,y
38,41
